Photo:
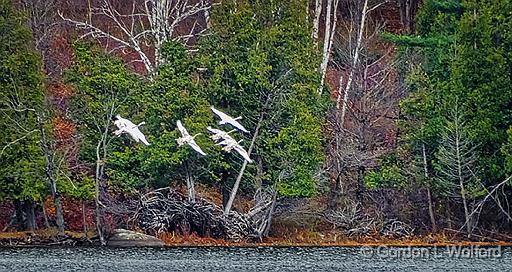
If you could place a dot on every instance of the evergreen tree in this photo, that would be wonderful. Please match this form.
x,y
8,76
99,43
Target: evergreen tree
x,y
260,63
464,47
21,99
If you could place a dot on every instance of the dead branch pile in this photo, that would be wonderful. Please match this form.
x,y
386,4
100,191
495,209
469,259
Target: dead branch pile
x,y
352,220
165,210
396,229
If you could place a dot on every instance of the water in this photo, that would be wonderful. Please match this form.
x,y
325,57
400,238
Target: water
x,y
253,259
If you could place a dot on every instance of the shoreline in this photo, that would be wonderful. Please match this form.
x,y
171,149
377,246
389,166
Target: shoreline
x,y
47,238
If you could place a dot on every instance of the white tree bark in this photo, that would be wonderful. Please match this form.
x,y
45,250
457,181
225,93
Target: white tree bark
x,y
316,20
190,184
327,44
151,25
263,112
460,163
232,196
355,60
429,195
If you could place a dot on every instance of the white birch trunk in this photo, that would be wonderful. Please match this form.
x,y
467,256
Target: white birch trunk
x,y
316,20
327,45
354,63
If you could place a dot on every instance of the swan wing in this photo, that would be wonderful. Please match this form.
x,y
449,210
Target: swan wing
x,y
127,123
182,129
138,136
119,124
239,126
243,153
196,147
221,115
214,130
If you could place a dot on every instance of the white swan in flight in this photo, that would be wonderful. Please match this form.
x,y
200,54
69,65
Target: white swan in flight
x,y
226,119
218,134
125,125
229,144
187,139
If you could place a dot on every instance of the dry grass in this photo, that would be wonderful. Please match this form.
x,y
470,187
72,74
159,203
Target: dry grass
x,y
295,238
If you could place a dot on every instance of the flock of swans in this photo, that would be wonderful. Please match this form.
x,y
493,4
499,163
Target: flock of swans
x,y
222,138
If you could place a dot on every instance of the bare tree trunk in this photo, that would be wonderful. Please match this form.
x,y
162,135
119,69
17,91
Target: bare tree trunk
x,y
28,207
18,215
84,219
316,20
327,45
50,175
463,192
430,204
190,185
270,214
98,180
207,13
59,218
227,208
45,216
448,213
232,196
354,63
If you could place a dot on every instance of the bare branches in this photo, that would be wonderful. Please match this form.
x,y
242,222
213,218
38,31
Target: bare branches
x,y
146,29
457,159
166,210
491,195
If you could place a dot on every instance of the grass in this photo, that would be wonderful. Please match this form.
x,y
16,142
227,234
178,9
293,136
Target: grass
x,y
296,238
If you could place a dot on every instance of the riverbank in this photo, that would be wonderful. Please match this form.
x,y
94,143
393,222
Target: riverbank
x,y
49,237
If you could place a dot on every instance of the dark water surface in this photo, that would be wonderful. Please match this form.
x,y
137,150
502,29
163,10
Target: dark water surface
x,y
255,259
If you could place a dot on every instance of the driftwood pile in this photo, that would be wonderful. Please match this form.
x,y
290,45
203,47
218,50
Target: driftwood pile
x,y
166,210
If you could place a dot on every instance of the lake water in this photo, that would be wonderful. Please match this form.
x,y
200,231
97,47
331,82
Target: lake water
x,y
256,259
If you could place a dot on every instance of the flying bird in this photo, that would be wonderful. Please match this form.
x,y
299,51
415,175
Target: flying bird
x,y
187,139
218,134
229,144
125,125
226,119
243,153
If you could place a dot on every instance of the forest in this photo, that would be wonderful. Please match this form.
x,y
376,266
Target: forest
x,y
366,120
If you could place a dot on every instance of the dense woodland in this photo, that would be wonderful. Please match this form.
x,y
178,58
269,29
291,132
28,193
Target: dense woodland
x,y
366,117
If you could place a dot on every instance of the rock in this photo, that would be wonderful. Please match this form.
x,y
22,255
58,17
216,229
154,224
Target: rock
x,y
128,238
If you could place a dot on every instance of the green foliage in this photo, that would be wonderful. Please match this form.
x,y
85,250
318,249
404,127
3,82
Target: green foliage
x,y
506,149
417,41
172,95
82,188
481,78
389,175
259,60
471,68
21,96
104,87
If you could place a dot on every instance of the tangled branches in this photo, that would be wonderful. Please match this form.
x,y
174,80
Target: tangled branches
x,y
352,220
165,210
396,229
